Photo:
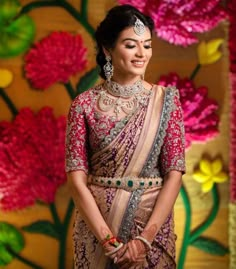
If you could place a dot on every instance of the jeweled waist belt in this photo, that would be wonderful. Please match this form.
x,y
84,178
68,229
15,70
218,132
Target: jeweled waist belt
x,y
129,183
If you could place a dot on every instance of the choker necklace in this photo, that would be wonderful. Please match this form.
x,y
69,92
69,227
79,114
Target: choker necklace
x,y
122,98
118,90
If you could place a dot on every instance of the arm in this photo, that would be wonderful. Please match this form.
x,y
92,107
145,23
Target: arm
x,y
164,204
172,166
77,168
84,201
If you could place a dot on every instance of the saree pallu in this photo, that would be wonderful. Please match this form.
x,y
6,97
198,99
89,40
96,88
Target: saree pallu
x,y
131,154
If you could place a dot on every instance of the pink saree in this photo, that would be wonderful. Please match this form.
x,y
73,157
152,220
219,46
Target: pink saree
x,y
126,162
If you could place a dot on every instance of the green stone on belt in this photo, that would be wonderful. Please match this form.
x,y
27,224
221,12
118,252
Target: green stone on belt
x,y
141,183
150,183
130,183
109,182
118,182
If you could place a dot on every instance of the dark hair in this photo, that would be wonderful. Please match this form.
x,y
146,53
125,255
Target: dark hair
x,y
117,19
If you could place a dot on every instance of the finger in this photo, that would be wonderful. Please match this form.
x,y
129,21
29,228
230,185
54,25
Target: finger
x,y
121,252
122,256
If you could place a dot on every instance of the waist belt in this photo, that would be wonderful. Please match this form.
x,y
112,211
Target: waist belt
x,y
129,183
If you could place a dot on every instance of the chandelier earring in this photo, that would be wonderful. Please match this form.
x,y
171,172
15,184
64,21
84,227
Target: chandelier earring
x,y
108,68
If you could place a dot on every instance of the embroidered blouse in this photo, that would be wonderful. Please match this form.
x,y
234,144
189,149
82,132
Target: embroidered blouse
x,y
87,129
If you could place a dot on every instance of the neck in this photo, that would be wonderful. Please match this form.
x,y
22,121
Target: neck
x,y
125,80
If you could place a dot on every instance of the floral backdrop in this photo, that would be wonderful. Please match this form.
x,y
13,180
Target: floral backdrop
x,y
32,140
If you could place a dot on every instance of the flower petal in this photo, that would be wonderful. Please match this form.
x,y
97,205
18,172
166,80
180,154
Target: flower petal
x,y
214,57
202,52
205,167
216,166
200,177
6,78
207,186
213,45
221,177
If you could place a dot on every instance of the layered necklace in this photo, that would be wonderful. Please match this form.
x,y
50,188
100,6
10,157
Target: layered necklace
x,y
120,98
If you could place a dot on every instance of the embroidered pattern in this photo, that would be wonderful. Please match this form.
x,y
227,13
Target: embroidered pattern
x,y
164,158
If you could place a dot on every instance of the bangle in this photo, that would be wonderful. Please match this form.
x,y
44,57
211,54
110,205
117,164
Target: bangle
x,y
113,241
145,241
107,240
114,250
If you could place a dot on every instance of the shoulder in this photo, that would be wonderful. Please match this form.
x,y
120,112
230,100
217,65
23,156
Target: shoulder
x,y
84,100
167,92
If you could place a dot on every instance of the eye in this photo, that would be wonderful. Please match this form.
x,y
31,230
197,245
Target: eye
x,y
148,46
129,46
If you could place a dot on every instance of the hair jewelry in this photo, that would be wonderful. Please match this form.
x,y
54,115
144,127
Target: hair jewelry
x,y
108,68
139,27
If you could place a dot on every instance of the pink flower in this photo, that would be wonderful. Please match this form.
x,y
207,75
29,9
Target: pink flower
x,y
54,59
176,21
31,158
200,118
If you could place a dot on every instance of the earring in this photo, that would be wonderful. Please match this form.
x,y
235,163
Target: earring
x,y
108,68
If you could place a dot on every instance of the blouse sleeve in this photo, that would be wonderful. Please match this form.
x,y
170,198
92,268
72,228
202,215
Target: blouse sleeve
x,y
76,139
172,155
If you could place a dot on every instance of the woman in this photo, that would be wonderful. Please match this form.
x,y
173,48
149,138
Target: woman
x,y
125,154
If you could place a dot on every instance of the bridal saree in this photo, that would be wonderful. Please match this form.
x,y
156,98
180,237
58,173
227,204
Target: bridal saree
x,y
126,161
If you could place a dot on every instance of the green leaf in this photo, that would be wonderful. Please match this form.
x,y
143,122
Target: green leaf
x,y
88,80
10,237
210,246
8,10
42,227
16,37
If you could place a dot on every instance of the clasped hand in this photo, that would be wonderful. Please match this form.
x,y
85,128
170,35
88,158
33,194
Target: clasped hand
x,y
131,255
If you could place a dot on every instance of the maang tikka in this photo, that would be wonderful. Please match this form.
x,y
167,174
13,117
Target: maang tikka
x,y
108,68
139,27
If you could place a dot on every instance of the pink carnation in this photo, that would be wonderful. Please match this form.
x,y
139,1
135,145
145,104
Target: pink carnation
x,y
54,59
31,158
200,118
176,21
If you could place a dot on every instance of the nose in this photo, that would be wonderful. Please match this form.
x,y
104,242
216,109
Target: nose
x,y
140,51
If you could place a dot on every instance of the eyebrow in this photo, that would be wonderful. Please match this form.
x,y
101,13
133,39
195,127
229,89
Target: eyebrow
x,y
135,40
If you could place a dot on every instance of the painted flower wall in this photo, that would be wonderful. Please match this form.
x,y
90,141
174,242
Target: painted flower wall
x,y
46,59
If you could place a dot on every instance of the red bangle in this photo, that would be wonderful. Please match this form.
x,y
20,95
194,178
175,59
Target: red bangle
x,y
112,239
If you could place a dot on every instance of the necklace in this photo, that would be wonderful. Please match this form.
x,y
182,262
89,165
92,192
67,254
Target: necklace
x,y
122,98
117,90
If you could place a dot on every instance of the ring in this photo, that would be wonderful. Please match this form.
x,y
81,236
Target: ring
x,y
115,260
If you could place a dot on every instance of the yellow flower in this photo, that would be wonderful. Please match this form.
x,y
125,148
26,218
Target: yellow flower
x,y
208,52
210,173
6,77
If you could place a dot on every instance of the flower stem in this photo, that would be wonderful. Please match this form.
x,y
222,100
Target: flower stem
x,y
70,90
55,215
22,259
8,101
195,71
195,234
185,242
68,7
84,7
63,235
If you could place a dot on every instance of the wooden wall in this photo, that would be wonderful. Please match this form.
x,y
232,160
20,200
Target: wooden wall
x,y
166,58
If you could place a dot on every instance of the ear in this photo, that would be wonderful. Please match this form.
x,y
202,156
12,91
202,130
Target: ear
x,y
106,51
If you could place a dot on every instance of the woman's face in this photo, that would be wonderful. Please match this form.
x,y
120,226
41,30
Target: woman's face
x,y
131,54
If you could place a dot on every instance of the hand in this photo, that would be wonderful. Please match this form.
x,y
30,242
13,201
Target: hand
x,y
131,255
